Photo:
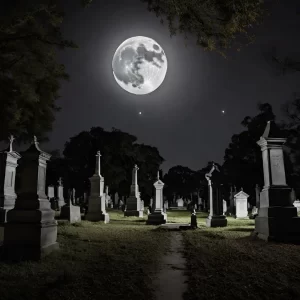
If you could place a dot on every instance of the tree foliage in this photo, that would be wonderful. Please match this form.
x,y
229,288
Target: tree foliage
x,y
30,75
243,161
119,153
215,24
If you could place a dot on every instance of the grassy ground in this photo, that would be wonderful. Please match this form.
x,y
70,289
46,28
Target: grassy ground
x,y
96,261
226,263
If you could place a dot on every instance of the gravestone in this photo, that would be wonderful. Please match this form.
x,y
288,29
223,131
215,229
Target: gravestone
x,y
180,202
96,206
216,217
133,201
142,205
297,205
60,192
277,219
224,207
157,215
71,212
51,196
8,165
31,230
194,224
241,200
116,199
166,204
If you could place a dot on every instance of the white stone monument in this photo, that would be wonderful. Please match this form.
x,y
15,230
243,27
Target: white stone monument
x,y
277,218
133,201
241,209
297,205
31,230
157,216
180,203
224,207
8,165
60,192
96,207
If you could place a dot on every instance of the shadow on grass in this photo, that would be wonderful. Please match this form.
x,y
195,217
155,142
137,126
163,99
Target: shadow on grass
x,y
240,229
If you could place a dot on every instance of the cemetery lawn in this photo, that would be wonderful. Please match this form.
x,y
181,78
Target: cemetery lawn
x,y
226,263
95,261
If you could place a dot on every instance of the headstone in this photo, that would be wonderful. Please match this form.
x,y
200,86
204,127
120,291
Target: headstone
x,y
194,224
8,165
60,188
166,204
31,230
224,207
71,212
180,202
133,201
241,200
157,215
121,203
96,207
50,191
116,199
277,220
142,205
51,196
297,205
216,217
151,202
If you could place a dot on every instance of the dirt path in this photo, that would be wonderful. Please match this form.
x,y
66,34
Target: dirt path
x,y
171,280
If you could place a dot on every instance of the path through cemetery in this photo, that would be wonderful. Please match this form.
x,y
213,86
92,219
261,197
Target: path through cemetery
x,y
171,280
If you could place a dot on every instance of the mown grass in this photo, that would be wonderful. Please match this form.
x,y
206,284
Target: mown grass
x,y
227,263
95,261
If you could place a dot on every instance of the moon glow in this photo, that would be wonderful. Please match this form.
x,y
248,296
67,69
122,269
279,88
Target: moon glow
x,y
139,65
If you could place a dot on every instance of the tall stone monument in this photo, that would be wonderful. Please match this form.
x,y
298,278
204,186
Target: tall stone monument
x,y
157,215
31,230
216,217
96,206
60,193
133,205
241,202
8,165
277,219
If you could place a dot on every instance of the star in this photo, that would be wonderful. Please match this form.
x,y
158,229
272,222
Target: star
x,y
223,112
140,113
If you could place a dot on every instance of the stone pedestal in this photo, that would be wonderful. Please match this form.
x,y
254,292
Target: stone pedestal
x,y
216,217
241,202
31,230
8,165
277,219
158,217
96,208
133,204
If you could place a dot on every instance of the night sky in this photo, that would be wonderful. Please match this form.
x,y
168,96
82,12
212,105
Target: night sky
x,y
183,117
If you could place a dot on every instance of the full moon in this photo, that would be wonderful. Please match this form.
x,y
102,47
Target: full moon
x,y
139,65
